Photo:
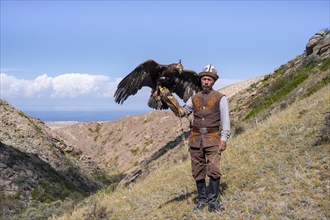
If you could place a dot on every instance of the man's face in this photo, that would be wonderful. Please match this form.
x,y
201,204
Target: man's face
x,y
207,83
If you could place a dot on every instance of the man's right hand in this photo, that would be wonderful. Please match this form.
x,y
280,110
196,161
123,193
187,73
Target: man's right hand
x,y
222,145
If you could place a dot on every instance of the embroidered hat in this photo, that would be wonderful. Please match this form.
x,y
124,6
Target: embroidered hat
x,y
209,70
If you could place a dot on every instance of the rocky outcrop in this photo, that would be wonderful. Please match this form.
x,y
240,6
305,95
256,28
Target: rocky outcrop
x,y
324,135
319,45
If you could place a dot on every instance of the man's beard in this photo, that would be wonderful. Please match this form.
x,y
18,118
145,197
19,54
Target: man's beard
x,y
206,90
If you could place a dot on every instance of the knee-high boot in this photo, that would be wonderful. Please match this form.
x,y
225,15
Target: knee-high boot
x,y
214,187
202,198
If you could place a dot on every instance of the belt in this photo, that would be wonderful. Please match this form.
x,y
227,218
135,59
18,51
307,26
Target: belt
x,y
205,130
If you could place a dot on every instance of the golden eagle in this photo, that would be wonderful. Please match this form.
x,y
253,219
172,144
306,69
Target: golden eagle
x,y
157,76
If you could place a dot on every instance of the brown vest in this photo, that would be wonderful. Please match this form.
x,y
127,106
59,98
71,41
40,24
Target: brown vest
x,y
206,109
206,114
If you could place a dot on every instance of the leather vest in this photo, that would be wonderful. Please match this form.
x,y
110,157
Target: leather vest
x,y
206,109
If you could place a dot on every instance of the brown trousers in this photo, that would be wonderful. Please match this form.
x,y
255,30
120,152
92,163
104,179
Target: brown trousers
x,y
205,161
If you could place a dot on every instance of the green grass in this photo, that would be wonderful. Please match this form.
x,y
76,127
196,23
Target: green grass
x,y
96,131
22,114
48,192
283,85
280,89
10,197
148,142
135,151
325,81
325,65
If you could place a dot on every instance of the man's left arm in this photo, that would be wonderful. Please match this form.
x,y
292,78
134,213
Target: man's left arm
x,y
172,103
225,123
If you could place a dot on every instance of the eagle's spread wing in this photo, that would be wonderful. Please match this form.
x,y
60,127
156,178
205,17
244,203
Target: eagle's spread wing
x,y
143,75
188,84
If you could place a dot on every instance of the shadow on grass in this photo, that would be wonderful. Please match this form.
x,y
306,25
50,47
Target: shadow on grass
x,y
180,198
185,196
223,188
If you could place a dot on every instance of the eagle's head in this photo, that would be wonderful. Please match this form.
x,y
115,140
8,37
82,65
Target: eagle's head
x,y
179,68
175,68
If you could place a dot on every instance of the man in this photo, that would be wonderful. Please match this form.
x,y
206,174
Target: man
x,y
207,141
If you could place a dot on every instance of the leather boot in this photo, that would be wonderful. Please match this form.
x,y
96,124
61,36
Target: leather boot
x,y
202,198
214,187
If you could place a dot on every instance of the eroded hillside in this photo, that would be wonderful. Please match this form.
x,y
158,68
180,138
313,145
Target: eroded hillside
x,y
121,146
36,165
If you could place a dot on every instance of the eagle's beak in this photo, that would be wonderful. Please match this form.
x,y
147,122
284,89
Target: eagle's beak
x,y
180,69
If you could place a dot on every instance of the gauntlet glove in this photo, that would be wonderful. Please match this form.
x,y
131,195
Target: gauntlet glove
x,y
172,103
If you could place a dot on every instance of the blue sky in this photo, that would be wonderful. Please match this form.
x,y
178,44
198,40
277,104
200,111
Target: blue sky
x,y
69,55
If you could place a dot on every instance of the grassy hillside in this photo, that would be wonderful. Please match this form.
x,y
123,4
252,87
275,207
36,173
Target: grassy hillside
x,y
297,79
276,169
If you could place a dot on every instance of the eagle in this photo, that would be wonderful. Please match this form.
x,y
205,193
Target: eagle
x,y
157,76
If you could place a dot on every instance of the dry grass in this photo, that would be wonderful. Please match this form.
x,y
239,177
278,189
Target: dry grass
x,y
274,170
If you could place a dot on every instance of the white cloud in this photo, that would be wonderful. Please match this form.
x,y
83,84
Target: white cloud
x,y
10,85
38,87
75,84
70,85
73,91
